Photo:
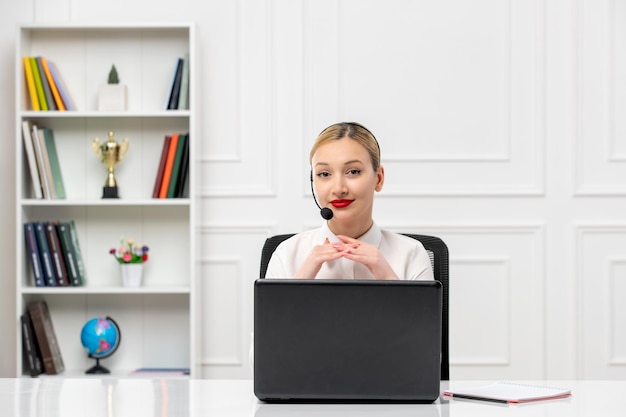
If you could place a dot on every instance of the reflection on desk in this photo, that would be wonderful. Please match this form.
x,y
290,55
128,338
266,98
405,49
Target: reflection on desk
x,y
138,397
347,410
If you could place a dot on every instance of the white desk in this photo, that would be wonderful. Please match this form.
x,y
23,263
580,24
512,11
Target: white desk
x,y
108,397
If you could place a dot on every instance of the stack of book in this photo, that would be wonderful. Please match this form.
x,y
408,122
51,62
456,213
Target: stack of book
x,y
54,254
172,179
39,342
43,161
178,97
45,86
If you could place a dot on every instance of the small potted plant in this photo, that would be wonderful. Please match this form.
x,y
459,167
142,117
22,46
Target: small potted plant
x,y
112,95
131,258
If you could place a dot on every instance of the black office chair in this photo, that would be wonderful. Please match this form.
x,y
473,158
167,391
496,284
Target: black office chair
x,y
438,253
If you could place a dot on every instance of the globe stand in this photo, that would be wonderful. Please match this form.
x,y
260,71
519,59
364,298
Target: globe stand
x,y
97,368
100,343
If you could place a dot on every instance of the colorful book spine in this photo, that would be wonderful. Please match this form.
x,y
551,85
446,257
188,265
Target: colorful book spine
x,y
183,97
63,91
43,104
46,337
32,159
55,166
49,274
32,251
175,93
31,355
30,84
169,164
56,253
46,86
161,168
183,177
46,163
180,149
41,164
53,87
82,272
69,254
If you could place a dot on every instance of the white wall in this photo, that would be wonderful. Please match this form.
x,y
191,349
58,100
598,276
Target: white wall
x,y
500,131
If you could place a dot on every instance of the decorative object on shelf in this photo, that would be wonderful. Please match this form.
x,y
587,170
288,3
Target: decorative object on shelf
x,y
110,153
100,337
131,257
112,96
131,275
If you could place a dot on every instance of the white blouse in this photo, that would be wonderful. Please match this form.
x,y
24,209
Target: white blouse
x,y
407,256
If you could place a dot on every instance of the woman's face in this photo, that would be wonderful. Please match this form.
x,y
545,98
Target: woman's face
x,y
345,180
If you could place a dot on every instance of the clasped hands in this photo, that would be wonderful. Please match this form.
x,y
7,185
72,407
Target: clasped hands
x,y
349,248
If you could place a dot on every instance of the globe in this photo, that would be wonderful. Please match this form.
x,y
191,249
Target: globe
x,y
100,337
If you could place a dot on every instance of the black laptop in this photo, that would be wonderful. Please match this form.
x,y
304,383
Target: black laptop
x,y
347,341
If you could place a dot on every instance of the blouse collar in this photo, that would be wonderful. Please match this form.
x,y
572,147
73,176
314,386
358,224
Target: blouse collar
x,y
372,236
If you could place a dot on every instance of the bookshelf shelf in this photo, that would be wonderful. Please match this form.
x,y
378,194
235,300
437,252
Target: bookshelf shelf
x,y
145,55
115,290
43,115
165,202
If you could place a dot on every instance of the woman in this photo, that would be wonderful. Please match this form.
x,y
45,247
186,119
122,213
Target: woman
x,y
345,173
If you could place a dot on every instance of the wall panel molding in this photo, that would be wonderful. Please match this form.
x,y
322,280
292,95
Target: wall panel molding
x,y
601,282
600,91
248,144
500,147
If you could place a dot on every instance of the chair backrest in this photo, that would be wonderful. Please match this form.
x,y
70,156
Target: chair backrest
x,y
438,253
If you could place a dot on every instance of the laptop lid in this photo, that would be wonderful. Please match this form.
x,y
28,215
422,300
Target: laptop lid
x,y
344,340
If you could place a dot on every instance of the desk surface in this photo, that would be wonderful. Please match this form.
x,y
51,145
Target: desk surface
x,y
108,397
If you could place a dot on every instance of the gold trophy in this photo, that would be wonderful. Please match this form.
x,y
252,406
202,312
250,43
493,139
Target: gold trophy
x,y
110,153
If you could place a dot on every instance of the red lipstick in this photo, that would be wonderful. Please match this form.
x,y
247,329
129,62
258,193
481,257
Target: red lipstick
x,y
341,203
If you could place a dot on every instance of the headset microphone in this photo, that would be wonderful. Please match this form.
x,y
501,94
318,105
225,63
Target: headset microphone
x,y
325,212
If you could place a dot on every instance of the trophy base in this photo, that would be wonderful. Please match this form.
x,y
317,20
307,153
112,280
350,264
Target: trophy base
x,y
109,192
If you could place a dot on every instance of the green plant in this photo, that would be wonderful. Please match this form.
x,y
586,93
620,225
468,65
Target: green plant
x,y
113,77
129,252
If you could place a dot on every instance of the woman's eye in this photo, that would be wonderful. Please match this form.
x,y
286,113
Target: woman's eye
x,y
354,171
322,174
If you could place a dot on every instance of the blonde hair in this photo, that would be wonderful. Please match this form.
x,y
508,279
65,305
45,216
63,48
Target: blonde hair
x,y
353,131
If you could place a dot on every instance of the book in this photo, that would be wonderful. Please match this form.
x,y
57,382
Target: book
x,y
171,89
46,337
63,91
56,254
32,252
184,171
169,163
43,105
183,97
46,86
161,168
82,272
69,254
41,165
180,148
53,87
175,92
47,169
509,392
30,84
31,356
55,166
47,267
31,159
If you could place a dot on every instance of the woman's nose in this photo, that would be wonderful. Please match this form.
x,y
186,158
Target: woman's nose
x,y
339,185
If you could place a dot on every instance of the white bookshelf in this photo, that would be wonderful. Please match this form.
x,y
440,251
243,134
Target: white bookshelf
x,y
157,320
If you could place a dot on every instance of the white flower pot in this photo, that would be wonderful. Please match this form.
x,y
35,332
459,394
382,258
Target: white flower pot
x,y
112,97
131,274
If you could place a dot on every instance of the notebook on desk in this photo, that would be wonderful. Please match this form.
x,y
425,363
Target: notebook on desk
x,y
341,340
